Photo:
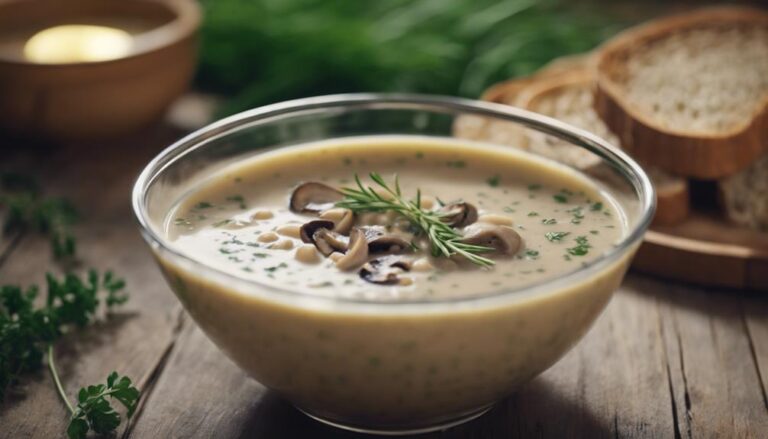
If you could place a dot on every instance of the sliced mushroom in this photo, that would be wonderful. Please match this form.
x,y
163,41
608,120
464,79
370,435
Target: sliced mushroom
x,y
459,214
388,244
343,219
318,232
373,232
314,197
503,239
307,230
385,270
357,252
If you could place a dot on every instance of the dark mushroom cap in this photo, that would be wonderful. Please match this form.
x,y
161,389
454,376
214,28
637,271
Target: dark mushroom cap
x,y
505,240
307,230
318,232
384,270
381,242
314,197
458,214
388,244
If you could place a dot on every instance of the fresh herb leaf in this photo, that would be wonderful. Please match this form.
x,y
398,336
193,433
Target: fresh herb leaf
x,y
549,221
582,247
445,240
598,206
493,181
27,329
560,198
556,236
276,267
94,410
27,210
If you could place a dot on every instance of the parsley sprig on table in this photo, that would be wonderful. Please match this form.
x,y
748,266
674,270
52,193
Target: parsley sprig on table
x,y
445,240
27,210
27,332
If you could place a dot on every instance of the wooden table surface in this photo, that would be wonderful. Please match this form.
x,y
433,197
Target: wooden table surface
x,y
662,361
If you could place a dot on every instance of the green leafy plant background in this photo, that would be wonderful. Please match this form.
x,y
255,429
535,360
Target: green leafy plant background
x,y
263,51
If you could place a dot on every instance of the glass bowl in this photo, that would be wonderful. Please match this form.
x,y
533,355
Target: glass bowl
x,y
389,367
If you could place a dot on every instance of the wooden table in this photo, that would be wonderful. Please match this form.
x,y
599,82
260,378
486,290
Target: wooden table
x,y
663,360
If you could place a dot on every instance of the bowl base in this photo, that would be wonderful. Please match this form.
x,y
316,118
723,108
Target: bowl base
x,y
443,424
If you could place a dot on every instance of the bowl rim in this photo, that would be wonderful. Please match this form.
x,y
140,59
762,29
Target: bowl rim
x,y
184,24
637,176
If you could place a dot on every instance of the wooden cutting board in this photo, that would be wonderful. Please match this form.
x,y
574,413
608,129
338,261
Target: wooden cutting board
x,y
706,250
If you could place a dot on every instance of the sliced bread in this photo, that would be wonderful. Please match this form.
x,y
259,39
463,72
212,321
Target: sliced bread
x,y
508,133
569,98
745,196
689,93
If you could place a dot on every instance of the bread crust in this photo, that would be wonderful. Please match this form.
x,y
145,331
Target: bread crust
x,y
705,156
673,204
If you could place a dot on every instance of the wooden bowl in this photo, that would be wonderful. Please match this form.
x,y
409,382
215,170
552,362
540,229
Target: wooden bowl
x,y
95,100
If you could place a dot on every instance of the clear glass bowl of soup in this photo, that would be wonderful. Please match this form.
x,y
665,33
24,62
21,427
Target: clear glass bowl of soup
x,y
393,338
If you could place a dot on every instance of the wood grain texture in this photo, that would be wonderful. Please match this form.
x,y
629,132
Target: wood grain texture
x,y
706,250
713,374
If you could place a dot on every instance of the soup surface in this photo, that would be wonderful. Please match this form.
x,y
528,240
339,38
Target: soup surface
x,y
529,219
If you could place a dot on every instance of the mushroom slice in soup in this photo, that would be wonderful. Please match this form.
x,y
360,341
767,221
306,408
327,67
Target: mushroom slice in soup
x,y
343,219
458,214
318,232
503,239
357,252
388,244
314,197
385,270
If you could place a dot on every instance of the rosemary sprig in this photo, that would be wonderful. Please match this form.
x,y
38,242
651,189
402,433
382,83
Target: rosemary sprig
x,y
444,239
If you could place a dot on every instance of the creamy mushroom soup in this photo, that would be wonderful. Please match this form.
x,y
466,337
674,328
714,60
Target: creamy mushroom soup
x,y
283,219
350,315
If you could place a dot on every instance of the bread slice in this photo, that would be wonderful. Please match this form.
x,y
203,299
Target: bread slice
x,y
509,133
689,93
569,97
745,196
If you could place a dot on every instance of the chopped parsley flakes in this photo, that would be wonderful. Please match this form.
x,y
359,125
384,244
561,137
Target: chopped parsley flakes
x,y
556,236
582,247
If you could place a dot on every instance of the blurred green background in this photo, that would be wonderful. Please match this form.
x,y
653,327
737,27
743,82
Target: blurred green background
x,y
258,52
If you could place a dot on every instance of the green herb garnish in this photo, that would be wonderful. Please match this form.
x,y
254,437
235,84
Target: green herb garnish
x,y
560,198
276,267
94,410
532,254
582,247
556,236
27,210
445,241
596,207
203,205
493,181
549,221
29,331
